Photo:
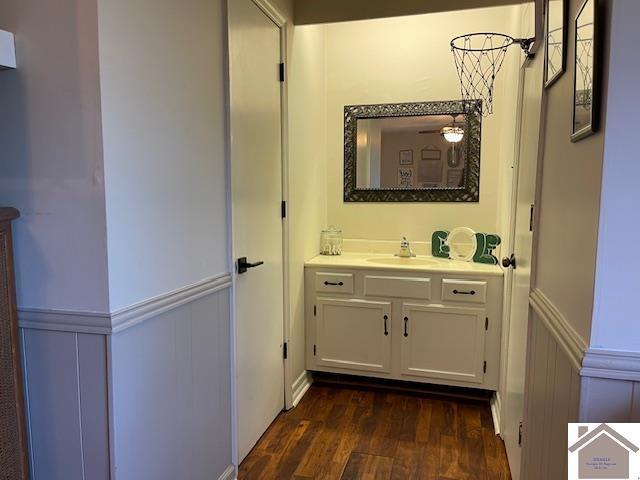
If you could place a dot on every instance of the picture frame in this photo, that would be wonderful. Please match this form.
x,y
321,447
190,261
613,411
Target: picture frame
x,y
405,177
406,157
430,153
555,58
430,171
585,115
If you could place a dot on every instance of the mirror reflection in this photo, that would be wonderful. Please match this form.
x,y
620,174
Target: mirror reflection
x,y
409,152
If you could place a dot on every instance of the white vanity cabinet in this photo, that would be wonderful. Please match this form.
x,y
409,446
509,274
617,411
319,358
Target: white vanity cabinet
x,y
443,342
340,322
436,324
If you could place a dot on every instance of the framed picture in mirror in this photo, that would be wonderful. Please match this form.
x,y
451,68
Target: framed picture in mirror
x,y
555,62
586,67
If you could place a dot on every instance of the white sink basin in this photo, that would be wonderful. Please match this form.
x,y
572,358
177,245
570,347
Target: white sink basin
x,y
408,261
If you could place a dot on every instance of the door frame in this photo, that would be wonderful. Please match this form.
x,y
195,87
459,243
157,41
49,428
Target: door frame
x,y
508,287
281,22
510,244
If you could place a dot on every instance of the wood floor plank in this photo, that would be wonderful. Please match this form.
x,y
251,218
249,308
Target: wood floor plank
x,y
406,464
348,440
362,466
347,433
451,463
297,448
495,456
423,423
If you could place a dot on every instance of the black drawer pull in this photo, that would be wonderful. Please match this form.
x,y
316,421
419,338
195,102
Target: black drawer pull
x,y
406,319
458,292
386,331
339,284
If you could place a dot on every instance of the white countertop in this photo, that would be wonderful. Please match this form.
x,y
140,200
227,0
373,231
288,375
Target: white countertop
x,y
421,263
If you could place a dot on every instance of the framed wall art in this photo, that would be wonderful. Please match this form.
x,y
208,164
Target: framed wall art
x,y
586,67
556,40
405,177
406,157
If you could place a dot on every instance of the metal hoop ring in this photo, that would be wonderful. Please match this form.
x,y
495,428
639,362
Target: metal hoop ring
x,y
509,41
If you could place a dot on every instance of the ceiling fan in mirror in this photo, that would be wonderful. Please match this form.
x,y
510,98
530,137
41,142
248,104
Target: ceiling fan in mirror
x,y
453,133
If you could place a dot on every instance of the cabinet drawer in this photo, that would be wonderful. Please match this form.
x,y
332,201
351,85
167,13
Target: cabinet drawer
x,y
334,282
470,291
403,287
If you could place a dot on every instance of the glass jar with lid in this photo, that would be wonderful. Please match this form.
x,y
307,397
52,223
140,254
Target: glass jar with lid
x,y
331,241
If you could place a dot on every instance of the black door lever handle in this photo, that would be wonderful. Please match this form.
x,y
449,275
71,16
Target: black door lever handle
x,y
243,265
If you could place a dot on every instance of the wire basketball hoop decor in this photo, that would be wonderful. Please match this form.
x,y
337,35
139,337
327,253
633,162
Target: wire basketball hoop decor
x,y
478,58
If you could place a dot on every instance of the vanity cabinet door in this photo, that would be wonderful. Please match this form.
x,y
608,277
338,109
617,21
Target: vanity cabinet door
x,y
353,334
443,342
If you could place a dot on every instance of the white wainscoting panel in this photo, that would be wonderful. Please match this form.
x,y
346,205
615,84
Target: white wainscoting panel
x,y
171,393
67,415
150,401
552,397
610,400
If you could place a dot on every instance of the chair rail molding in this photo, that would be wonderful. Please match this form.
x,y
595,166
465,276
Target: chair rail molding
x,y
64,320
611,364
592,361
571,342
133,315
119,320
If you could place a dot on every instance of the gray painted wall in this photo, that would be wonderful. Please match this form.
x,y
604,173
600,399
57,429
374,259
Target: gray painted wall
x,y
163,94
51,154
615,313
154,88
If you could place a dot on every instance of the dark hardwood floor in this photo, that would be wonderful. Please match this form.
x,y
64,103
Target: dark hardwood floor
x,y
339,433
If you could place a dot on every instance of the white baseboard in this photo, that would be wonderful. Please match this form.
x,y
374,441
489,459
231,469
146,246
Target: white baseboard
x,y
496,408
229,473
300,386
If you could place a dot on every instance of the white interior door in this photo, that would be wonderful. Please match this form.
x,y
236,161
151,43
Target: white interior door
x,y
513,391
256,178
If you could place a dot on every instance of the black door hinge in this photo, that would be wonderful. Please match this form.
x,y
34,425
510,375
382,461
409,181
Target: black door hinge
x,y
283,209
486,323
282,72
314,349
531,218
315,311
520,434
484,367
285,350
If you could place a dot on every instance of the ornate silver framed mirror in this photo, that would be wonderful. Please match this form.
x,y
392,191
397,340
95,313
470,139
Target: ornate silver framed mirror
x,y
412,152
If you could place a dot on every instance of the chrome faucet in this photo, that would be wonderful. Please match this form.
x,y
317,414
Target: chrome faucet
x,y
405,249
